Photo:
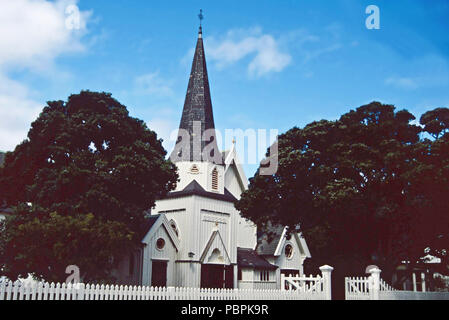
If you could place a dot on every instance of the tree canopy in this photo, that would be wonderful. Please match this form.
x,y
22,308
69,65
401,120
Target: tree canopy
x,y
80,185
365,189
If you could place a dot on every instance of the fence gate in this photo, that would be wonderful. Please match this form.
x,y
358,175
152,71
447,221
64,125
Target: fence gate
x,y
358,288
314,288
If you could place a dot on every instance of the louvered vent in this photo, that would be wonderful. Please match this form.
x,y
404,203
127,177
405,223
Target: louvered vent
x,y
215,179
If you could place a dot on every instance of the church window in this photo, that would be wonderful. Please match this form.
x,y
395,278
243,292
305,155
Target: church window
x,y
160,243
264,275
174,227
216,256
288,251
215,179
194,169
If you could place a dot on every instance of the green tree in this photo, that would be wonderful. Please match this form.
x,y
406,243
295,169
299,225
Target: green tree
x,y
429,184
348,183
436,122
80,185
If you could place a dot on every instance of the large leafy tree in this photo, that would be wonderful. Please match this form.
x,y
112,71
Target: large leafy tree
x,y
436,122
429,187
350,186
80,185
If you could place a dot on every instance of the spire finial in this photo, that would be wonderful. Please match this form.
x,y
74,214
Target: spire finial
x,y
201,16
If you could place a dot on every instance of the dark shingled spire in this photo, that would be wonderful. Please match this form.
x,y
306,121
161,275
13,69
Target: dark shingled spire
x,y
197,115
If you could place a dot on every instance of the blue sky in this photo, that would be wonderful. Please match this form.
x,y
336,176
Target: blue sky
x,y
271,64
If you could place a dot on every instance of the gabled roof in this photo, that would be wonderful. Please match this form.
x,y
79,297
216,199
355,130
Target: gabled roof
x,y
197,110
231,160
250,258
194,188
268,246
149,222
215,240
156,221
273,245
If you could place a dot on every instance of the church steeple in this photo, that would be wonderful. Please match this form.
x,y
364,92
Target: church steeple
x,y
197,118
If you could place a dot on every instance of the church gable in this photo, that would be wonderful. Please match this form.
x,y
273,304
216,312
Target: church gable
x,y
295,241
234,177
215,251
161,227
279,239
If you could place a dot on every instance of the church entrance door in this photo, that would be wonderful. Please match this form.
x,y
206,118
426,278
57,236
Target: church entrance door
x,y
217,276
159,273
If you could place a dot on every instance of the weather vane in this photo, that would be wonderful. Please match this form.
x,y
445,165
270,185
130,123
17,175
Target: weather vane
x,y
201,16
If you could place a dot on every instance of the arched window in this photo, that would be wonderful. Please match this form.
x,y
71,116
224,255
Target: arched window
x,y
215,179
174,227
288,251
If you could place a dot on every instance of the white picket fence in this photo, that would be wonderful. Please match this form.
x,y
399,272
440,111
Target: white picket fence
x,y
313,287
51,291
357,288
412,295
374,288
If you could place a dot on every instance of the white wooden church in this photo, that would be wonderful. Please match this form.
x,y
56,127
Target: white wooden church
x,y
194,236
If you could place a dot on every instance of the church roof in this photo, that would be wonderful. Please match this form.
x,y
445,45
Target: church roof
x,y
267,243
197,112
149,222
194,188
225,154
249,258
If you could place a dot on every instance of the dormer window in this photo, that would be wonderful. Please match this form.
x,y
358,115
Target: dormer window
x,y
215,179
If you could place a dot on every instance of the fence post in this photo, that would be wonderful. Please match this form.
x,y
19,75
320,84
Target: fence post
x,y
375,289
170,294
423,282
326,273
414,281
80,290
282,282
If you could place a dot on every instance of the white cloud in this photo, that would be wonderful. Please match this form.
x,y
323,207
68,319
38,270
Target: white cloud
x,y
152,83
33,33
263,49
402,82
17,111
309,47
313,54
167,129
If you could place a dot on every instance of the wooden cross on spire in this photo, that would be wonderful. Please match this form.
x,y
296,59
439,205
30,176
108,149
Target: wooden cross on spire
x,y
201,16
